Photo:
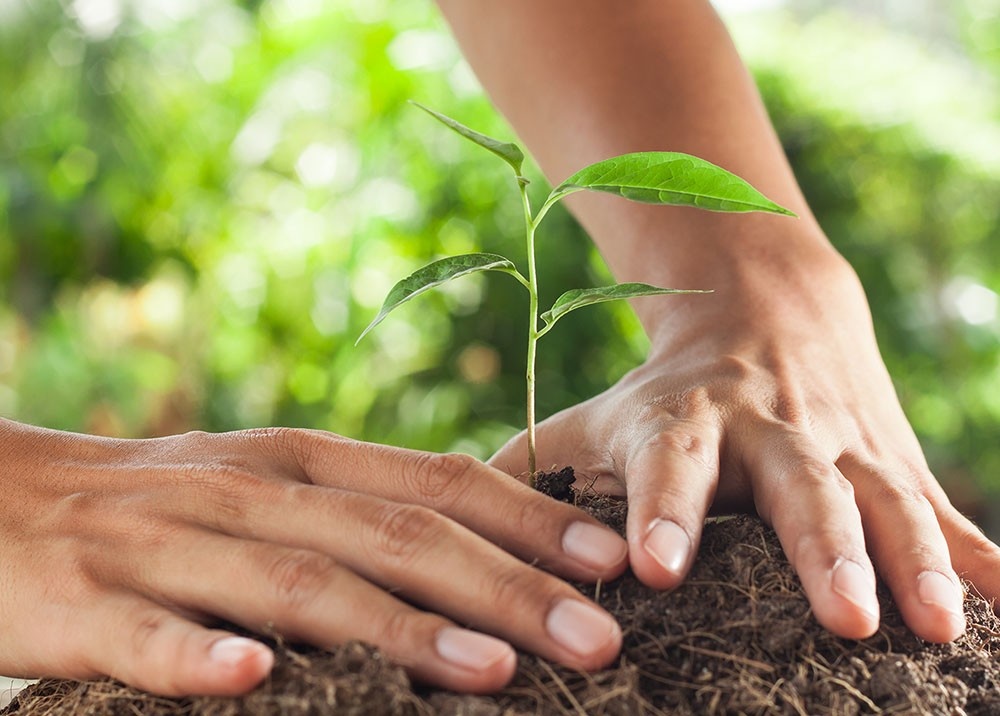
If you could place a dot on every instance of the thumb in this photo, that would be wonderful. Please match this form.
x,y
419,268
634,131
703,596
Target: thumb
x,y
567,439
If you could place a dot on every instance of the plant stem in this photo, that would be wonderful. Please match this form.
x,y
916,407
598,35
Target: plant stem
x,y
530,225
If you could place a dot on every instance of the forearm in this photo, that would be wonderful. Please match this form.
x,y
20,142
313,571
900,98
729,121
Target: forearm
x,y
582,80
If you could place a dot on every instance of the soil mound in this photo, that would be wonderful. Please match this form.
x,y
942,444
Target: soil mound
x,y
737,638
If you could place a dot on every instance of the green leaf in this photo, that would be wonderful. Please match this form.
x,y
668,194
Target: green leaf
x,y
509,152
580,297
436,273
669,178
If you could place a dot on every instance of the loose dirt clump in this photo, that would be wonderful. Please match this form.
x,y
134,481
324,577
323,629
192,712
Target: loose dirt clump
x,y
737,638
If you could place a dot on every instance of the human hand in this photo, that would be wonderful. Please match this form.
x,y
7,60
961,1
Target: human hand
x,y
777,400
115,555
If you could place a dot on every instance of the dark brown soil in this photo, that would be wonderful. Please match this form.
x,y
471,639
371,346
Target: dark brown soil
x,y
737,638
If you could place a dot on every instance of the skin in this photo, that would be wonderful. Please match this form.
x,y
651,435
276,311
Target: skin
x,y
115,555
770,393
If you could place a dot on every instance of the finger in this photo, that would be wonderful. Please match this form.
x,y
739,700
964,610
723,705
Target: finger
x,y
415,553
151,648
442,565
558,536
555,440
307,596
811,506
671,479
566,439
973,555
909,549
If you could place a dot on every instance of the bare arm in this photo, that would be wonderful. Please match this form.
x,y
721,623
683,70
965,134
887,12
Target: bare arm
x,y
582,81
769,394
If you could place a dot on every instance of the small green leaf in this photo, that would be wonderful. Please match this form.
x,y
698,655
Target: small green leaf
x,y
509,152
669,178
436,273
580,297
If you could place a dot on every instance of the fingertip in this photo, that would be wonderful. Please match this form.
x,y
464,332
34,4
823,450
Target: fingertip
x,y
941,616
663,553
236,665
475,663
938,625
596,548
853,612
588,636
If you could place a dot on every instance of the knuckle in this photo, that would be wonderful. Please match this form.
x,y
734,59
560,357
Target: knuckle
x,y
788,410
144,635
298,577
149,532
194,439
682,405
824,542
686,442
282,444
901,493
535,515
272,437
232,486
83,508
403,631
683,505
919,475
223,478
396,631
522,590
972,541
814,473
403,532
735,368
442,477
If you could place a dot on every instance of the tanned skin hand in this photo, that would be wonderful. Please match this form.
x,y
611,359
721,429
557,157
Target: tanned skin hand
x,y
768,394
116,556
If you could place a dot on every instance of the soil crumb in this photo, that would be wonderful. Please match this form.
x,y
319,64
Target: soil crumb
x,y
737,637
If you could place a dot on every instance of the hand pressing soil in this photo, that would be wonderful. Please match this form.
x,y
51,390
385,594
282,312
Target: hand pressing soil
x,y
736,638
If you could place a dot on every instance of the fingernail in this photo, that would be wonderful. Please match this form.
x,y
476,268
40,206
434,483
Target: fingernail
x,y
854,583
937,589
580,627
669,545
234,650
596,547
471,650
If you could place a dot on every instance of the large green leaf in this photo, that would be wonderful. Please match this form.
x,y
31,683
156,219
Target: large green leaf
x,y
669,178
509,152
436,273
580,297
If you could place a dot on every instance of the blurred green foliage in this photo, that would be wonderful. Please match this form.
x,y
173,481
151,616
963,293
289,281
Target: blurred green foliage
x,y
202,204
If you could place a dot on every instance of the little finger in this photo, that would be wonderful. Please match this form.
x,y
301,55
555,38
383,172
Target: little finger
x,y
154,649
307,596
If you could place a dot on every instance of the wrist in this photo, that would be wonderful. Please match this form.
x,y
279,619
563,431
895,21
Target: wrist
x,y
769,288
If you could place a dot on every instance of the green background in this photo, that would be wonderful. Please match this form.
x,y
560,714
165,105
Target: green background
x,y
203,204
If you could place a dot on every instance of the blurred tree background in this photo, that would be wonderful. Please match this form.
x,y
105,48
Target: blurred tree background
x,y
203,203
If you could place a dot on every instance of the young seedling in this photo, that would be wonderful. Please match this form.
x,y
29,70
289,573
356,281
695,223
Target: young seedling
x,y
650,177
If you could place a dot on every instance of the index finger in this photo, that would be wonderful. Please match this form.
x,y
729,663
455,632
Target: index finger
x,y
558,536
